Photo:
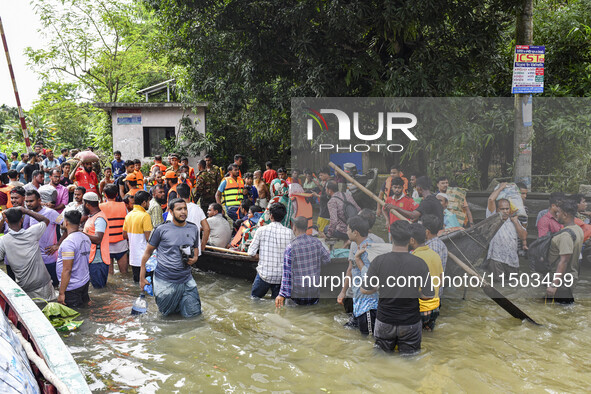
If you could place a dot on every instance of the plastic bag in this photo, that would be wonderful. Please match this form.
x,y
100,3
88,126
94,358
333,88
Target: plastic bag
x,y
512,193
61,317
455,202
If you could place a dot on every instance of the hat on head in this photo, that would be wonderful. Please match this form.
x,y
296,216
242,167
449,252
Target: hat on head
x,y
442,195
131,177
90,196
170,175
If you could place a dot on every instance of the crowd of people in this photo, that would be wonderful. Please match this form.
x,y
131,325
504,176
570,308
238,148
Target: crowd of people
x,y
64,229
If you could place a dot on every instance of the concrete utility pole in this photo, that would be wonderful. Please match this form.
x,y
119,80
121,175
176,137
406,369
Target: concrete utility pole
x,y
522,139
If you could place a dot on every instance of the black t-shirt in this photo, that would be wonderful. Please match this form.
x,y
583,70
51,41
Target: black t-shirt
x,y
399,292
28,170
431,206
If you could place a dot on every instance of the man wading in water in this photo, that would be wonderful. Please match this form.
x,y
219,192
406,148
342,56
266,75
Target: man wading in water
x,y
174,286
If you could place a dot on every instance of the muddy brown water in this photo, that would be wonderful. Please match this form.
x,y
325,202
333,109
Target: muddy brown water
x,y
245,345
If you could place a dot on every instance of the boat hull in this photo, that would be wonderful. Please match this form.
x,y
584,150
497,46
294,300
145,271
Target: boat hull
x,y
239,266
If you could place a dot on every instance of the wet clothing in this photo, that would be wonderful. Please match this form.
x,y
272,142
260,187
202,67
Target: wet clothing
x,y
362,303
435,269
77,297
407,337
563,244
180,298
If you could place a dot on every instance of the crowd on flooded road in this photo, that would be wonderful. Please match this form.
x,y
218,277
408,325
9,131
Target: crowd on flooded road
x,y
64,229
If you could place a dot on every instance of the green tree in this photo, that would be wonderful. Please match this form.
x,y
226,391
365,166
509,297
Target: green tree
x,y
248,58
103,46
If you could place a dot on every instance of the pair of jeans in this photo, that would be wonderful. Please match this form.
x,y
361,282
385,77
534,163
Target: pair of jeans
x,y
260,288
406,337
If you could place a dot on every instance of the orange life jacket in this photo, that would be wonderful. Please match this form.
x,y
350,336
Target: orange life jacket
x,y
115,213
133,191
304,209
238,237
90,230
173,188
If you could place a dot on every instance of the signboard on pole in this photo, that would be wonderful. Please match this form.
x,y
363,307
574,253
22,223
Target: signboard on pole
x,y
528,69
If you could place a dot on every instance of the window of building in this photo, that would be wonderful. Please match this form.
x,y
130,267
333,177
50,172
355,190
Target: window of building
x,y
153,137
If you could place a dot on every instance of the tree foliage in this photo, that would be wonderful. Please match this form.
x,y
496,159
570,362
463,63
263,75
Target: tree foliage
x,y
103,46
249,58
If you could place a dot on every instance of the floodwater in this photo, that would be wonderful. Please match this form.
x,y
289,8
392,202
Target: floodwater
x,y
244,345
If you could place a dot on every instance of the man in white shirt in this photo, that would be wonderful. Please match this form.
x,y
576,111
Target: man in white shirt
x,y
195,215
220,231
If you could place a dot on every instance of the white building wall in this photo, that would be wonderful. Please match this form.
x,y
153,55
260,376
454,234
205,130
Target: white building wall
x,y
129,138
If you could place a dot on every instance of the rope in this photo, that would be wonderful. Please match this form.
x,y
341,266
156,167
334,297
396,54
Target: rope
x,y
463,255
474,239
39,362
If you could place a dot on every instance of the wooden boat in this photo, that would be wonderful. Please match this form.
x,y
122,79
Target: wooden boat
x,y
469,245
370,181
241,266
46,343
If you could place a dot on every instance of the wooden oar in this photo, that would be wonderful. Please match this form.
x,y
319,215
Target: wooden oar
x,y
490,291
224,250
493,293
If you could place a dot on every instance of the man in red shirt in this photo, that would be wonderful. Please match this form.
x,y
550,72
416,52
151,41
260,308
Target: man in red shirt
x,y
84,176
270,173
398,199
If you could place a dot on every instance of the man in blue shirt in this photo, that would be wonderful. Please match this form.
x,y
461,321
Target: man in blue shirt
x,y
64,156
117,165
